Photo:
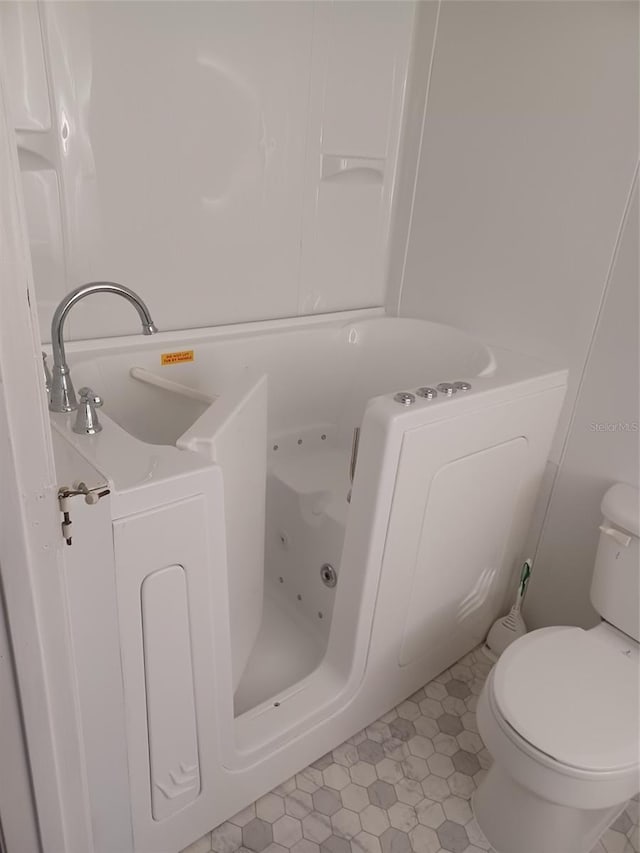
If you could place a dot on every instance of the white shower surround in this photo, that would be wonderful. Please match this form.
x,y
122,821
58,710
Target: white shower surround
x,y
445,484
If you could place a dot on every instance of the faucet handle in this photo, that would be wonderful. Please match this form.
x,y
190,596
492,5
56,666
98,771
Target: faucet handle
x,y
87,422
89,396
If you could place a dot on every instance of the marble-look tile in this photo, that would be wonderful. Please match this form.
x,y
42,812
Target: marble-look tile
x,y
402,785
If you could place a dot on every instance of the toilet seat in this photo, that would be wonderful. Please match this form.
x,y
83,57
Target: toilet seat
x,y
572,698
543,775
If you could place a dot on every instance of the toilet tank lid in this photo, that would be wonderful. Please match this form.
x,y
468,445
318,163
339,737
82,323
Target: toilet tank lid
x,y
621,506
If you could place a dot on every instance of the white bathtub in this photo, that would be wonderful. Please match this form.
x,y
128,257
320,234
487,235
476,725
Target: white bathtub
x,y
423,552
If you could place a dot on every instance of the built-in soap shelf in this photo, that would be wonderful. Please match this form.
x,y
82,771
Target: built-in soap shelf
x,y
38,141
339,168
32,158
25,66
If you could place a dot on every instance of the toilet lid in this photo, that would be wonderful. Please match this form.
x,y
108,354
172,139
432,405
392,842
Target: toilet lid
x,y
571,696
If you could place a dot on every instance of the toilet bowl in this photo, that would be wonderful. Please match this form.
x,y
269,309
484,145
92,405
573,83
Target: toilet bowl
x,y
560,776
559,714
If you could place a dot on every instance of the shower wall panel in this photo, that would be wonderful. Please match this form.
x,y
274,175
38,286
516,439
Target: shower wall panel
x,y
229,161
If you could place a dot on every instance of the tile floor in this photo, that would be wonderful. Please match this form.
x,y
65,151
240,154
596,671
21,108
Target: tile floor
x,y
402,785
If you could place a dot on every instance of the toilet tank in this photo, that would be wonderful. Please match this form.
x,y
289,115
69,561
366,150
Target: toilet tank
x,y
615,588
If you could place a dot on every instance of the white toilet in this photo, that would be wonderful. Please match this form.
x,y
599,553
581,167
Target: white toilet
x,y
560,714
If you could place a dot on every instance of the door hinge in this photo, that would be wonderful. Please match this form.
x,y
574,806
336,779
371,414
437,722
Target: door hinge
x,y
65,494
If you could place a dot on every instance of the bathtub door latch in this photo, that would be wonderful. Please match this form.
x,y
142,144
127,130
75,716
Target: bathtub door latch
x,y
65,494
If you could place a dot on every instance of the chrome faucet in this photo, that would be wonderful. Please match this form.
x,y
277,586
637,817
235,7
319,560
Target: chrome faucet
x,y
62,397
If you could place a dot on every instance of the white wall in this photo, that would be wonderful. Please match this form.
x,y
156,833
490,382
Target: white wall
x,y
529,141
601,449
196,152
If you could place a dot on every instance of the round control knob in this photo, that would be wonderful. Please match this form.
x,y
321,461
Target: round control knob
x,y
404,398
462,386
446,388
427,393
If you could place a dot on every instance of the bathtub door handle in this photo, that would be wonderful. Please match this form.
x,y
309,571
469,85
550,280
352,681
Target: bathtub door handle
x,y
149,378
354,458
354,453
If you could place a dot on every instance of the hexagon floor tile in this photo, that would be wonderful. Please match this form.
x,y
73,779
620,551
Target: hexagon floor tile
x,y
403,785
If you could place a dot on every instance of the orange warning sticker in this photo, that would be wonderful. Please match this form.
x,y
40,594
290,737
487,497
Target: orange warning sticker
x,y
176,357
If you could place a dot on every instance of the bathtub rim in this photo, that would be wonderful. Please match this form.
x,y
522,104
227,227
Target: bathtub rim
x,y
206,334
135,341
497,353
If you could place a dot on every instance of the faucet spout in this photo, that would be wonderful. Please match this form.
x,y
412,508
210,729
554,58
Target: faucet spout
x,y
62,397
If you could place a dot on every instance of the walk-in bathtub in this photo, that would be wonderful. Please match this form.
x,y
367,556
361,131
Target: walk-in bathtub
x,y
279,584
